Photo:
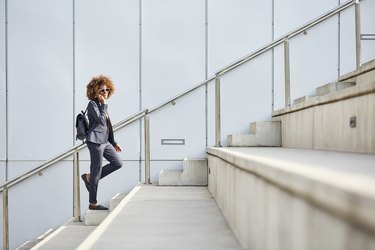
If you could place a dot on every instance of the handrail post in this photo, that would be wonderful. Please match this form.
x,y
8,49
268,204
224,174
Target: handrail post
x,y
147,146
287,72
76,188
217,113
5,220
358,34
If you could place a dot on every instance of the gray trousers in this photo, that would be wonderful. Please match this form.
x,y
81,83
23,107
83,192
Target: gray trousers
x,y
97,152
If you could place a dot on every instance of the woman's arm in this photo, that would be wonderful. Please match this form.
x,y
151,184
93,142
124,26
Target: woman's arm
x,y
98,113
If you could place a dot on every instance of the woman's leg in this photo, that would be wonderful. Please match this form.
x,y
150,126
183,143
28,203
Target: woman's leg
x,y
96,158
113,157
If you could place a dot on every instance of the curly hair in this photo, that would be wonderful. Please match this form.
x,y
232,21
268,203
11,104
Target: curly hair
x,y
92,87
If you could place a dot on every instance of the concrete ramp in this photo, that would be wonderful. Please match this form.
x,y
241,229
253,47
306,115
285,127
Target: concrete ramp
x,y
155,217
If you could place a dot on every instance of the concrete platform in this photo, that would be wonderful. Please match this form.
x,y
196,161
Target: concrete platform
x,y
155,217
292,199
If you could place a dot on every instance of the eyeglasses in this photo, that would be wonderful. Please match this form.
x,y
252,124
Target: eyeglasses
x,y
103,90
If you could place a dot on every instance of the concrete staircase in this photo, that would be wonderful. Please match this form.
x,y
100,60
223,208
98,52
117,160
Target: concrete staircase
x,y
262,134
326,89
317,191
193,173
72,233
152,217
31,243
340,120
333,87
305,180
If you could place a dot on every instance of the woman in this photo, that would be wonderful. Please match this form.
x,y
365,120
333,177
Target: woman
x,y
100,140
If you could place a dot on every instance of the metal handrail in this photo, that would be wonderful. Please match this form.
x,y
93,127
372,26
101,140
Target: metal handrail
x,y
72,151
289,35
66,154
182,94
285,40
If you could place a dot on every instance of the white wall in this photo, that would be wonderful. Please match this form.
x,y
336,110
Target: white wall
x,y
2,87
39,78
107,42
173,59
368,27
235,29
153,50
313,56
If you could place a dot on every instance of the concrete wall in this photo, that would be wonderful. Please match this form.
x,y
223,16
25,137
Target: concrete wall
x,y
323,122
269,209
327,127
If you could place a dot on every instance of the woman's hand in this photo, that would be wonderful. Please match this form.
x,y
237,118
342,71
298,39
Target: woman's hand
x,y
118,148
101,99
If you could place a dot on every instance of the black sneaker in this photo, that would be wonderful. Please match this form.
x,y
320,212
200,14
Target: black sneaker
x,y
97,207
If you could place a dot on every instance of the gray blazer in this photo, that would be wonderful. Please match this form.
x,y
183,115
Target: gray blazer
x,y
100,131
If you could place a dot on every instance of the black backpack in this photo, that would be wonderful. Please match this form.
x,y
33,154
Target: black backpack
x,y
82,126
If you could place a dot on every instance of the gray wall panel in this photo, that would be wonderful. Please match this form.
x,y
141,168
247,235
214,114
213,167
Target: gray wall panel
x,y
33,197
347,41
313,56
2,171
313,59
290,14
107,42
211,114
173,48
129,140
2,83
184,120
279,78
157,166
236,28
246,96
40,78
368,27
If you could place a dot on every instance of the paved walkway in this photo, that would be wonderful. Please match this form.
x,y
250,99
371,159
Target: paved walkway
x,y
154,217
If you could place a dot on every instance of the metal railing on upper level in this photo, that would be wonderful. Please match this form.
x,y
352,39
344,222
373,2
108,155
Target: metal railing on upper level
x,y
285,40
146,113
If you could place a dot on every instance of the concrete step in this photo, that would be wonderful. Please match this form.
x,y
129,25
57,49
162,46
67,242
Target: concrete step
x,y
303,99
193,173
68,236
31,243
95,217
365,74
71,234
262,134
333,87
325,90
